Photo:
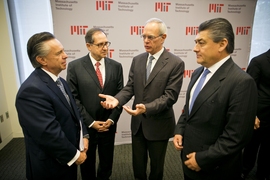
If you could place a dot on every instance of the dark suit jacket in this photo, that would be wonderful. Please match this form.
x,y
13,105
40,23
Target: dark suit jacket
x,y
259,70
220,123
158,94
50,125
84,84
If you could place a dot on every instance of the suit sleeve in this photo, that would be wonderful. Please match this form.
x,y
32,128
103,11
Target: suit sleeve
x,y
127,92
181,123
254,70
40,121
72,82
116,112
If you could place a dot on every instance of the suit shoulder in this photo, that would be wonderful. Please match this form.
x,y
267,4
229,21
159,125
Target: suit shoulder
x,y
145,54
237,72
78,60
173,56
113,62
262,58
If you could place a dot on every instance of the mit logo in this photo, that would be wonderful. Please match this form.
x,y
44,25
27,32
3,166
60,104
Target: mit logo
x,y
187,73
192,30
242,30
103,5
79,30
216,8
162,6
136,30
110,52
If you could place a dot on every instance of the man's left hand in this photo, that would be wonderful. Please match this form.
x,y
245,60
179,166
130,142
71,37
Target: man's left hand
x,y
140,109
191,163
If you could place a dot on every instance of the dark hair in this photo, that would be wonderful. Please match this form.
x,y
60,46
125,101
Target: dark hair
x,y
219,28
35,47
89,35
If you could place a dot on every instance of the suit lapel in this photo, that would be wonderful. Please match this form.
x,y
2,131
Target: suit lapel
x,y
211,86
72,107
161,62
142,66
108,71
87,64
53,86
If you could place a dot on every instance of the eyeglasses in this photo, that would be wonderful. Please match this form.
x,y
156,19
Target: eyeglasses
x,y
150,37
101,45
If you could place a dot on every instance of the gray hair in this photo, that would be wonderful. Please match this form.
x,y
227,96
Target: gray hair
x,y
162,25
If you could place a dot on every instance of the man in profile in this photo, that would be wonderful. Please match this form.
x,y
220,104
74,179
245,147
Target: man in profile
x,y
56,141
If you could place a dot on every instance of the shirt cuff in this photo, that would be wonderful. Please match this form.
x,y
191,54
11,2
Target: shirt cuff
x,y
77,155
91,124
112,121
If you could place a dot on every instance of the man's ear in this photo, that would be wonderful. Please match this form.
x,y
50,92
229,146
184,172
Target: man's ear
x,y
88,46
41,60
223,44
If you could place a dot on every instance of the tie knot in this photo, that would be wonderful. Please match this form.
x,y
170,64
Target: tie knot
x,y
206,71
151,58
58,82
97,64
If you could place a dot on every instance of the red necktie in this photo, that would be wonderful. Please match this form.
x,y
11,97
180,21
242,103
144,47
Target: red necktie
x,y
99,75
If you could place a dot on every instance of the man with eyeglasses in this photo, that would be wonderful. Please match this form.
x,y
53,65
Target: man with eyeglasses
x,y
152,122
87,77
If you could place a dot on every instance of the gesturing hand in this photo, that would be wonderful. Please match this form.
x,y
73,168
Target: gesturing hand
x,y
110,102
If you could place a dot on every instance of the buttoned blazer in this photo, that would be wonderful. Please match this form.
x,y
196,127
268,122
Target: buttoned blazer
x,y
259,70
159,93
50,125
84,84
220,123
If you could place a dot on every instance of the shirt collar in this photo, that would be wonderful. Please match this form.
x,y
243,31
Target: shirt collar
x,y
54,77
93,60
217,65
157,55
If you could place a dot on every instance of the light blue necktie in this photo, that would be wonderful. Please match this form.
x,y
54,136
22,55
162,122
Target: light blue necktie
x,y
148,69
198,88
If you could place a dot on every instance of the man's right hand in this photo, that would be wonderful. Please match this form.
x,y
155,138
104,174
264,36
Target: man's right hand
x,y
100,126
110,102
177,141
257,123
81,158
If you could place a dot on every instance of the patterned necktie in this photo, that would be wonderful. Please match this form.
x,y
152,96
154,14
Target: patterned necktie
x,y
148,69
61,86
198,88
99,75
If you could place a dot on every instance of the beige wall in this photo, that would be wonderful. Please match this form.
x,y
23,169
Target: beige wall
x,y
9,82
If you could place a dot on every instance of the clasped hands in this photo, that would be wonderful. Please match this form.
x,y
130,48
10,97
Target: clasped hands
x,y
111,102
102,126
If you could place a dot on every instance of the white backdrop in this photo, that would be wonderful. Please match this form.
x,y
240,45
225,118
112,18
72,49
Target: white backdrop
x,y
123,21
